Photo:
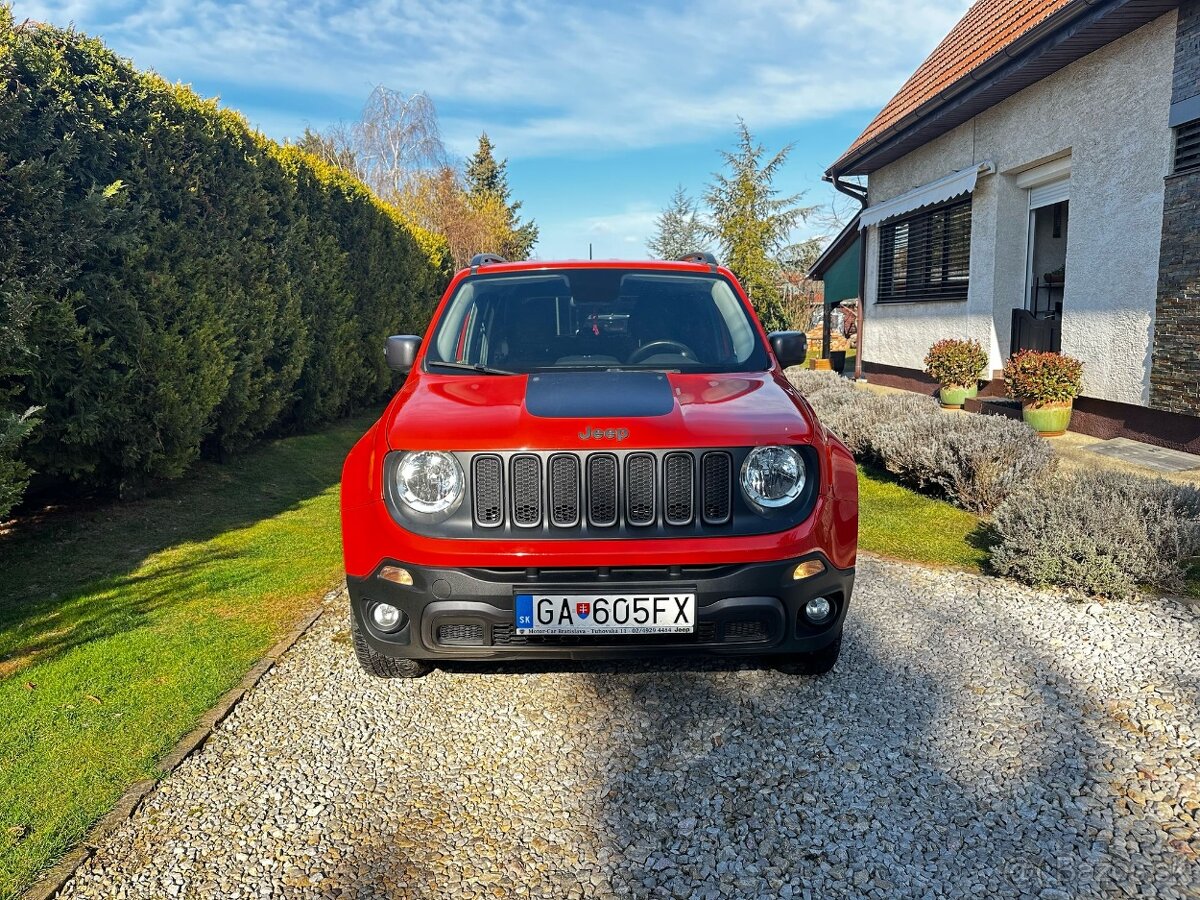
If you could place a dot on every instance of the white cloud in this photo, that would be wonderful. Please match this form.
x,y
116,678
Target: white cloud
x,y
557,77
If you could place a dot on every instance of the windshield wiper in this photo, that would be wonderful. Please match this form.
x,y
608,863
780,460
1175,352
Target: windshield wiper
x,y
468,367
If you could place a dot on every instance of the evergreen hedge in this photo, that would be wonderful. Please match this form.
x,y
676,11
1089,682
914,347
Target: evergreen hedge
x,y
171,281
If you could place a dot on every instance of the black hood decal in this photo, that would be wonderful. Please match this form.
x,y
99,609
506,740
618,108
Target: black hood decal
x,y
578,395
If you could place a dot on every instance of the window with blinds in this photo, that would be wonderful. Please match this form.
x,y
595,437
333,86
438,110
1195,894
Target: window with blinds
x,y
1187,147
926,256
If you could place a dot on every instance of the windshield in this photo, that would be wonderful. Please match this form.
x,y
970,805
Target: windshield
x,y
596,318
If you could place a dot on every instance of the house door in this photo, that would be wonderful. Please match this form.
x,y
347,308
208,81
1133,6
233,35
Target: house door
x,y
1037,324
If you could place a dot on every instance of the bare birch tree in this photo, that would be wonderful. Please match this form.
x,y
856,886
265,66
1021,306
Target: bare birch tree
x,y
397,139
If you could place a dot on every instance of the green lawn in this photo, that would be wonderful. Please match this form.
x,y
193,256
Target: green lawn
x,y
897,521
120,627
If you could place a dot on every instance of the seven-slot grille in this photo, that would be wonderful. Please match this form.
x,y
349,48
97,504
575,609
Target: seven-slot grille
x,y
676,488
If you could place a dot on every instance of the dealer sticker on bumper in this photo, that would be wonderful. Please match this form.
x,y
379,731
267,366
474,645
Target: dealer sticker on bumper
x,y
558,614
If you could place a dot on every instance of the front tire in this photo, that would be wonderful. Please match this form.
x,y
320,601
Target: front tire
x,y
375,663
816,663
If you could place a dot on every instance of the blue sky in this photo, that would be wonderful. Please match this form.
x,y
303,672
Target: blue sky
x,y
601,109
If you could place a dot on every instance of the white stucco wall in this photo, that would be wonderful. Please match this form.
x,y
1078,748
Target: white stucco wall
x,y
1108,111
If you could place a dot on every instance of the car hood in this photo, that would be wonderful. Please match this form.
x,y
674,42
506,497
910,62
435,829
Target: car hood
x,y
595,410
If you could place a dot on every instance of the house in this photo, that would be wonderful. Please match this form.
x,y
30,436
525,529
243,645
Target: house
x,y
1036,184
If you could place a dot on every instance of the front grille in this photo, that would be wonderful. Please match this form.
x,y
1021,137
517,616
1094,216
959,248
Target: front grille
x,y
717,487
651,491
602,489
639,489
746,630
564,490
678,488
463,634
526,490
487,493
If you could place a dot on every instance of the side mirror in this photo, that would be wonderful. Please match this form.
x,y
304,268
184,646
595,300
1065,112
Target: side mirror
x,y
790,347
401,351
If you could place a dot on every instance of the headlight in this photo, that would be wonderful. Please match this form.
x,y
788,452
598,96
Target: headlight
x,y
429,481
773,476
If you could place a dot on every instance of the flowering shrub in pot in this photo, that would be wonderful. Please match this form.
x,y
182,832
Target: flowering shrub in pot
x,y
1047,385
956,365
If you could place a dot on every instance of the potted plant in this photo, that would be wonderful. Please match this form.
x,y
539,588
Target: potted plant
x,y
956,365
1047,385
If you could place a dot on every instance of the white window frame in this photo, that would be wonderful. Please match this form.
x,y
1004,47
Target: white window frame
x,y
1047,184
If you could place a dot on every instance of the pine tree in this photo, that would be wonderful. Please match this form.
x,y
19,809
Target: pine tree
x,y
751,224
485,176
487,184
678,228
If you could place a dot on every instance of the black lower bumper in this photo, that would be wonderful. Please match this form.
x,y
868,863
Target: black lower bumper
x,y
469,614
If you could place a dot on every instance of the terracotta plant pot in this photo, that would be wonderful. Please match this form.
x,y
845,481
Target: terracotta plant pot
x,y
952,396
1049,420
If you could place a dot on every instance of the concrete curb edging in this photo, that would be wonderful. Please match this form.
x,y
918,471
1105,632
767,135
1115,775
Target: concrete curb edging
x,y
56,877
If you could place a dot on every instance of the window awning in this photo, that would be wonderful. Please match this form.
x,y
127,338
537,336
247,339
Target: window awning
x,y
960,182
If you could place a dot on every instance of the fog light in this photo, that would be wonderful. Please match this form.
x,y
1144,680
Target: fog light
x,y
396,575
385,616
818,610
808,569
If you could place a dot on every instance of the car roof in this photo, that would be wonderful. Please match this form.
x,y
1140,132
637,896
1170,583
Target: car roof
x,y
659,265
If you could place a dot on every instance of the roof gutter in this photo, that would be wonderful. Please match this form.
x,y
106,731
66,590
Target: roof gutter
x,y
1060,20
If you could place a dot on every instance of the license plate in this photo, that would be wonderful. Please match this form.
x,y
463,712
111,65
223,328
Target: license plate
x,y
563,614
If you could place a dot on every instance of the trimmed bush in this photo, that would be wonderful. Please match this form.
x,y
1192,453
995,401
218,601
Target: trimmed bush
x,y
975,461
956,363
1104,533
860,422
172,282
1043,378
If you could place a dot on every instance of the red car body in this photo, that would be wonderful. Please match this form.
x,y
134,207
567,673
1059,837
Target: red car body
x,y
471,413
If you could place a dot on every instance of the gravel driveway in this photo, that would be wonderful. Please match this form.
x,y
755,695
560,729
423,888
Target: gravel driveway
x,y
977,739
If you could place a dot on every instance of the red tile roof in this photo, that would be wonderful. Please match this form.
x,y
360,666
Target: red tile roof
x,y
988,28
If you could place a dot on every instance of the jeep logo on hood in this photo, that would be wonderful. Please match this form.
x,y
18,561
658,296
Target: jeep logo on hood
x,y
603,434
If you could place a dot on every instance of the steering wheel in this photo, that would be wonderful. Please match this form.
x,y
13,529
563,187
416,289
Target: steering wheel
x,y
654,347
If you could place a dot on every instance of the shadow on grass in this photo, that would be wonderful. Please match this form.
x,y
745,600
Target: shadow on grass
x,y
983,538
65,581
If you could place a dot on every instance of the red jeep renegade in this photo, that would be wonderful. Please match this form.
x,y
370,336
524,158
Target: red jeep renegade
x,y
597,460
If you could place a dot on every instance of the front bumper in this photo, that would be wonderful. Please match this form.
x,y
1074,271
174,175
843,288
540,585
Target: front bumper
x,y
468,614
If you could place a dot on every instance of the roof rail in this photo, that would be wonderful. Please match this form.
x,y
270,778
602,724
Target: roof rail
x,y
699,256
486,259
